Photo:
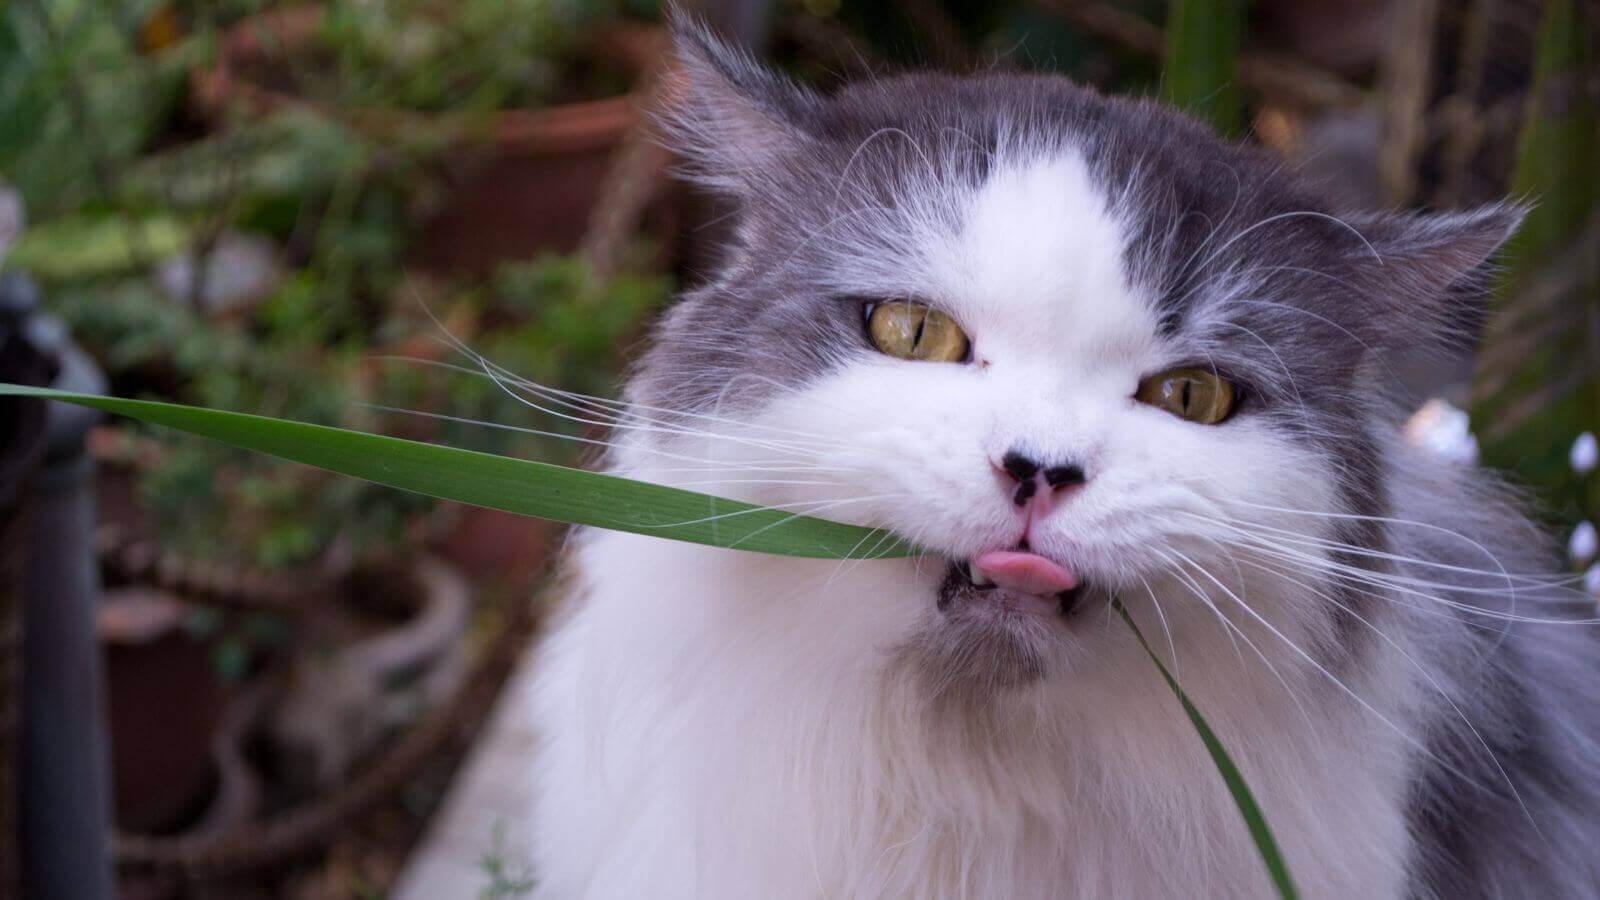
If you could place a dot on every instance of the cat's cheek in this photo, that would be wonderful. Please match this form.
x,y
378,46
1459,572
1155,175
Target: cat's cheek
x,y
906,442
1169,485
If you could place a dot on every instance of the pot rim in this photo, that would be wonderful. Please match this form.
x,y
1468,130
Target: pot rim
x,y
557,129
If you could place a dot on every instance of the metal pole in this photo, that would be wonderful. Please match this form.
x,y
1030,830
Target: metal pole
x,y
63,779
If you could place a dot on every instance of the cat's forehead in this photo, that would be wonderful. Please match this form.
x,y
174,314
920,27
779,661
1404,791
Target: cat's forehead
x,y
1017,199
1039,256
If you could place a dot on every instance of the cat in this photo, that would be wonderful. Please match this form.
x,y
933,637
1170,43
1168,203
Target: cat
x,y
1076,349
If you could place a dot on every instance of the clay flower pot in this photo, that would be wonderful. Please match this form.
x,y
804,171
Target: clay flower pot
x,y
166,703
521,181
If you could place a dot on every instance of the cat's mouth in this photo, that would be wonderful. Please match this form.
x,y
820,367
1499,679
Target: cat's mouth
x,y
1011,582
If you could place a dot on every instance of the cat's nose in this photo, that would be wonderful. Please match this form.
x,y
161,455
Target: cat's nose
x,y
1026,474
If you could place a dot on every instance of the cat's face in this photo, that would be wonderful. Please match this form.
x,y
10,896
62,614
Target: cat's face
x,y
1060,256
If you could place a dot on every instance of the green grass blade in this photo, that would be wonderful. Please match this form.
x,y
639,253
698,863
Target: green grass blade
x,y
1266,845
602,501
514,485
1200,74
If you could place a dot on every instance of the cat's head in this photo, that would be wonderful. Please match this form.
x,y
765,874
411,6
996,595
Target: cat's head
x,y
1069,344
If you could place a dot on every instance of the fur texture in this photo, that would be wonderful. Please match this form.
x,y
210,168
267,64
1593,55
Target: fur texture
x,y
1368,632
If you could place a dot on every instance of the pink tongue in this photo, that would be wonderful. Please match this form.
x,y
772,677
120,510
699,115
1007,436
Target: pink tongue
x,y
1025,573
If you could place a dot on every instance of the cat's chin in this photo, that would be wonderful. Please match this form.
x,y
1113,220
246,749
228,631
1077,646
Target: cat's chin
x,y
986,637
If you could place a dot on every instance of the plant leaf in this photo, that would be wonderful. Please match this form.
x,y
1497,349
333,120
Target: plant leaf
x,y
1266,845
1202,58
91,246
514,485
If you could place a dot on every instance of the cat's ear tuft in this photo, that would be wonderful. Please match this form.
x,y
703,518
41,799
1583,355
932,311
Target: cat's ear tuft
x,y
731,117
1430,271
1429,253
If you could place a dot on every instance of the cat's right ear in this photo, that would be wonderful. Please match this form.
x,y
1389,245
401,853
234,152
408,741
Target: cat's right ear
x,y
731,118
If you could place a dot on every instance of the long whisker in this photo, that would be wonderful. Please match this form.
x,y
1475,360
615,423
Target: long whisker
x,y
1334,679
1299,538
1388,520
805,507
487,368
1396,583
501,426
1293,695
1434,682
790,518
1199,592
509,386
1290,215
1161,616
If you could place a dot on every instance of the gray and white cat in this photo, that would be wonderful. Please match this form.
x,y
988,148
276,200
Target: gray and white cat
x,y
1076,348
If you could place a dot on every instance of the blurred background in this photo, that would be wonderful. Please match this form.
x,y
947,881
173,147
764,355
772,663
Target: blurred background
x,y
265,677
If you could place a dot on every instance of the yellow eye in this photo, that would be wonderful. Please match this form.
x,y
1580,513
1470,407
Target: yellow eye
x,y
1198,395
913,331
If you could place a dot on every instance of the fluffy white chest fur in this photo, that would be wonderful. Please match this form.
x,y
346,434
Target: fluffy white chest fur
x,y
713,730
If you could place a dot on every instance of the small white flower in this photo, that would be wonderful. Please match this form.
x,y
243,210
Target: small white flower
x,y
1443,431
1583,543
1591,580
1585,453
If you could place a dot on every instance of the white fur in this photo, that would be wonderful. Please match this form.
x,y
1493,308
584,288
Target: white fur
x,y
721,724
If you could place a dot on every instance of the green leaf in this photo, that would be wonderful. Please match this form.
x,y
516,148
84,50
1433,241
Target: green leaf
x,y
1202,58
1266,845
88,246
514,485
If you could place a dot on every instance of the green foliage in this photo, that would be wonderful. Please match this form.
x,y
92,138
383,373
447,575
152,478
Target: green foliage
x,y
1202,58
77,102
505,880
117,180
1538,383
548,323
485,54
298,359
129,326
87,246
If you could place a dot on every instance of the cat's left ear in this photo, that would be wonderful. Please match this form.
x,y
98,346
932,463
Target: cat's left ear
x,y
1430,271
732,118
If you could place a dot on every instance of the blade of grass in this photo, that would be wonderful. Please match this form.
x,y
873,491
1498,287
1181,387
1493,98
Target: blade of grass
x,y
514,485
1254,820
602,501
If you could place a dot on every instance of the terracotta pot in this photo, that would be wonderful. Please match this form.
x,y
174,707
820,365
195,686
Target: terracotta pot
x,y
521,181
165,701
